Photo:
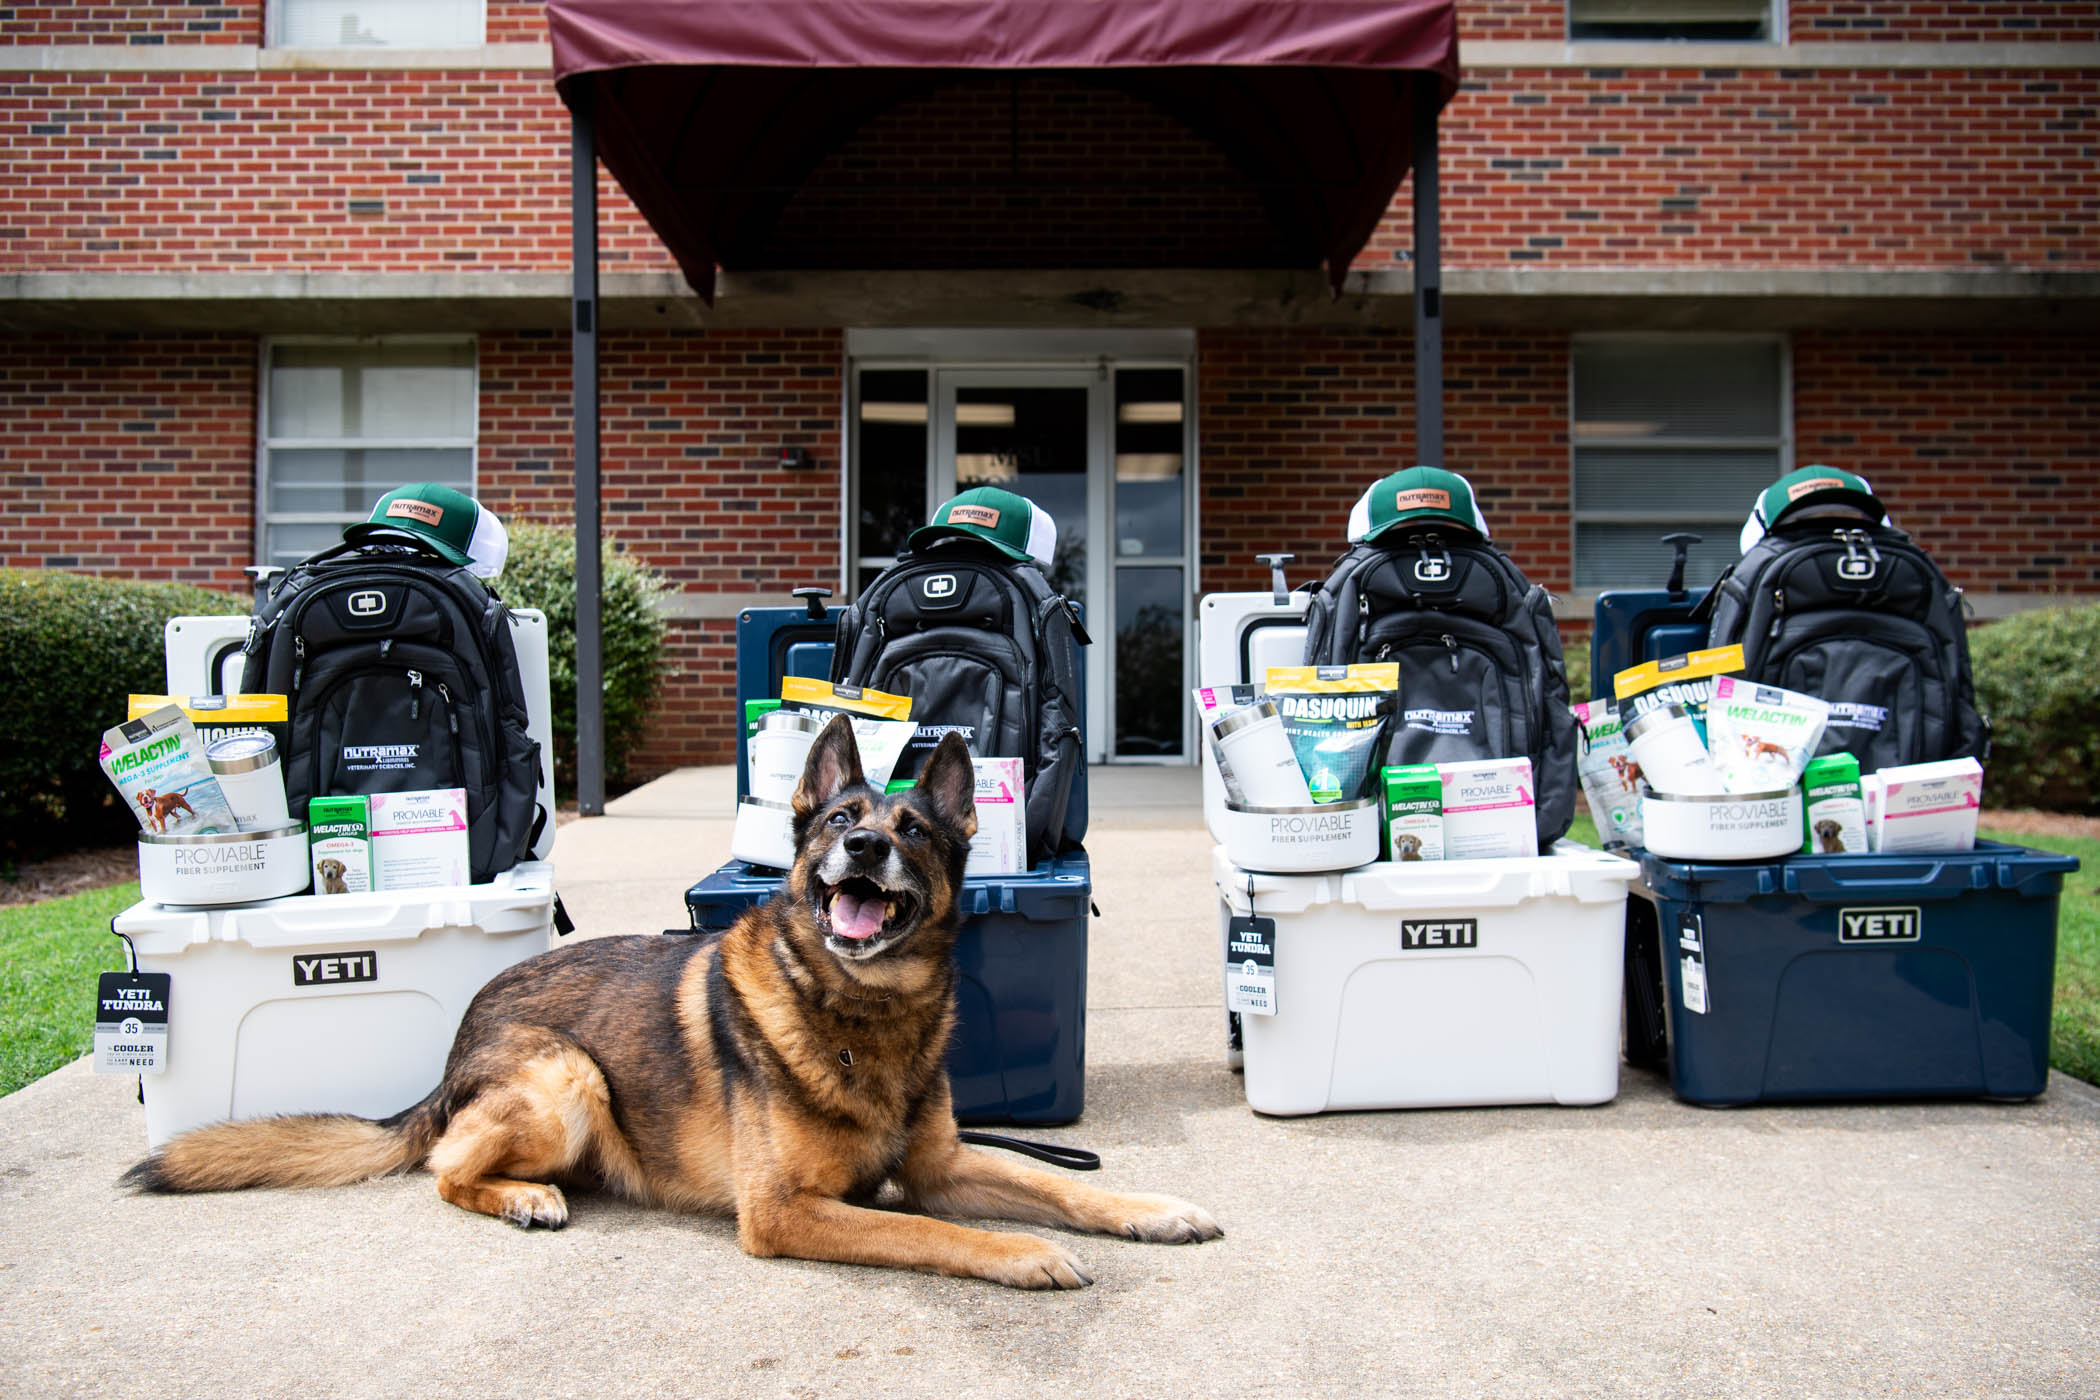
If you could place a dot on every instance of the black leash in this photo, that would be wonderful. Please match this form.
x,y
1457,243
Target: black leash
x,y
1076,1159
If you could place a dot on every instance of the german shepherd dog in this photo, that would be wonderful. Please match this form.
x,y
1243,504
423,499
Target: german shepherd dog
x,y
788,1071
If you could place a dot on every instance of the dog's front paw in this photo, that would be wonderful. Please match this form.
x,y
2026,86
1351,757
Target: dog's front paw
x,y
1028,1262
1165,1220
529,1203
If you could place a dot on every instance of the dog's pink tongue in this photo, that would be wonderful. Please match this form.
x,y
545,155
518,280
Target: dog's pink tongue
x,y
856,918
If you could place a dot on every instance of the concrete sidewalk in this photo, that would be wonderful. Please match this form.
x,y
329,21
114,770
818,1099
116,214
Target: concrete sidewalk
x,y
1639,1248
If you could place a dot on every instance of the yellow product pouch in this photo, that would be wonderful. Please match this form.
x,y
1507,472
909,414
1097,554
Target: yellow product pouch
x,y
1336,717
217,717
1686,680
805,693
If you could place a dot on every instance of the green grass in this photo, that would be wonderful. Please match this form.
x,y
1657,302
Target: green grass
x,y
2074,1040
49,955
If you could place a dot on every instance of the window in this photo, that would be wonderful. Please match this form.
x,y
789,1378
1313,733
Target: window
x,y
1754,20
1671,434
343,423
405,24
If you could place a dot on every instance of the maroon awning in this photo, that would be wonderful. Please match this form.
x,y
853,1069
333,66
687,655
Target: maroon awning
x,y
873,134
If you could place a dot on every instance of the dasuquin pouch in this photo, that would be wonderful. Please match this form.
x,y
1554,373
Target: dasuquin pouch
x,y
882,725
1685,681
1611,780
1761,737
1336,718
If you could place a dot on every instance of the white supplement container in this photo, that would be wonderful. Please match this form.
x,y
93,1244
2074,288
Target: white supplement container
x,y
224,867
1254,749
1320,836
1723,826
764,833
778,752
1667,746
251,777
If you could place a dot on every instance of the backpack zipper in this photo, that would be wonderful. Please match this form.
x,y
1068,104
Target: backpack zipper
x,y
1451,646
1778,614
415,695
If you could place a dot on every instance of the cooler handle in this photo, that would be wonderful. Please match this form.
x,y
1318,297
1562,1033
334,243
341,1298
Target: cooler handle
x,y
1926,876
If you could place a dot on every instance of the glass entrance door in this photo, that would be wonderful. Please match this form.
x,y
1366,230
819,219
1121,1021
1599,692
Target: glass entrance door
x,y
1102,449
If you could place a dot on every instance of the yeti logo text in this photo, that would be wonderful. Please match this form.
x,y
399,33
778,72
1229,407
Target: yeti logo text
x,y
1445,933
1432,570
1855,567
940,586
334,967
370,603
1896,925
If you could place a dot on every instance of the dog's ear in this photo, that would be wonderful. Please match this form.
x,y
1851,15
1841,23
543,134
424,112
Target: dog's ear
x,y
949,781
833,766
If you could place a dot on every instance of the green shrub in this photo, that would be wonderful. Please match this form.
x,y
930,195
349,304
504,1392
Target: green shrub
x,y
541,573
2037,676
1578,658
73,650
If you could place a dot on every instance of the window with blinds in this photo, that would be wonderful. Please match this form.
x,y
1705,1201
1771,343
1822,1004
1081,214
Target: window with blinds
x,y
346,422
1671,435
407,24
1756,20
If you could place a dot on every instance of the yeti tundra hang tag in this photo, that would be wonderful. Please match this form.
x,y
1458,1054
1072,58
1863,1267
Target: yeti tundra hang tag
x,y
1250,966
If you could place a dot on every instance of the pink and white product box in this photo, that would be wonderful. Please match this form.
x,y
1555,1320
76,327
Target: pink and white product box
x,y
340,1003
1001,847
1426,984
1930,806
419,839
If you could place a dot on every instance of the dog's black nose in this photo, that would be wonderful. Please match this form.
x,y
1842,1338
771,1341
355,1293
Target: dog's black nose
x,y
867,847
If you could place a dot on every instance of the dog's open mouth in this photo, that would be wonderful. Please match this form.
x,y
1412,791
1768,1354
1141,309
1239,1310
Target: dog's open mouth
x,y
858,910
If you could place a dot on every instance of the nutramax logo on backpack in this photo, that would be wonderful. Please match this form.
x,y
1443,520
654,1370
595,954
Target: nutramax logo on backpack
x,y
368,758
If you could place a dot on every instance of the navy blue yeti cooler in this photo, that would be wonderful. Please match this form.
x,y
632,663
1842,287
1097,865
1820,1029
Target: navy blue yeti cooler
x,y
1019,1050
1850,976
1633,625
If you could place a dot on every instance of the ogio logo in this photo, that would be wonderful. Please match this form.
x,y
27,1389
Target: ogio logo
x,y
1441,933
1432,570
939,586
334,967
370,603
1903,924
1855,567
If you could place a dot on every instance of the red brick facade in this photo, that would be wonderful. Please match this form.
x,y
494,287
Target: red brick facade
x,y
135,455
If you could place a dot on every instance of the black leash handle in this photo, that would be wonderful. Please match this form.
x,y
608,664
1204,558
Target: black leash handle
x,y
1076,1159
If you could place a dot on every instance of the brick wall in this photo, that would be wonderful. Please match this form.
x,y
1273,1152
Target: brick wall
x,y
1985,447
692,424
168,22
226,172
1295,424
129,457
1810,167
1956,21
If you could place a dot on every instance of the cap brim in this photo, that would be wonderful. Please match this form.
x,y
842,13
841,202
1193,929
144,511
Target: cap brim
x,y
1858,500
369,530
931,534
1425,517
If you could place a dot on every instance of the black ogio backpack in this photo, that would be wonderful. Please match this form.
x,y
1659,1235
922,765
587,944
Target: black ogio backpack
x,y
400,675
985,647
1481,673
1860,616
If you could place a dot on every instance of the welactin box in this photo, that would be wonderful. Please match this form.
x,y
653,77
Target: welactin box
x,y
1429,984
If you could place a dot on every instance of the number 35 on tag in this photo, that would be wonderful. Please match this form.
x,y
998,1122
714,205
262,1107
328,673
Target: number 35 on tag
x,y
1250,966
131,1022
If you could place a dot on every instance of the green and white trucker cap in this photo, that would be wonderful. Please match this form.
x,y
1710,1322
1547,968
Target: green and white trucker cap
x,y
1415,495
1806,488
1013,525
449,521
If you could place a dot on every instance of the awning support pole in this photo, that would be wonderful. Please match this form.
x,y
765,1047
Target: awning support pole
x,y
1429,281
583,325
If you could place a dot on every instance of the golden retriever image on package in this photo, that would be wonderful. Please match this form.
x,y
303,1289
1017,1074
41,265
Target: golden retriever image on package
x,y
788,1072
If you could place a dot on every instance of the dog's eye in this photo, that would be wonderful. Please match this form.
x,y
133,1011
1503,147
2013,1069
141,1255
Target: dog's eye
x,y
908,827
838,819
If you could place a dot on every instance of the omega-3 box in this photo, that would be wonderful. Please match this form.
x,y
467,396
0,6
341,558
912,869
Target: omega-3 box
x,y
1833,808
1414,812
339,835
419,839
1489,809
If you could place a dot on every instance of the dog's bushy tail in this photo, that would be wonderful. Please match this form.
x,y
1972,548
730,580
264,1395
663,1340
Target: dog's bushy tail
x,y
316,1149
